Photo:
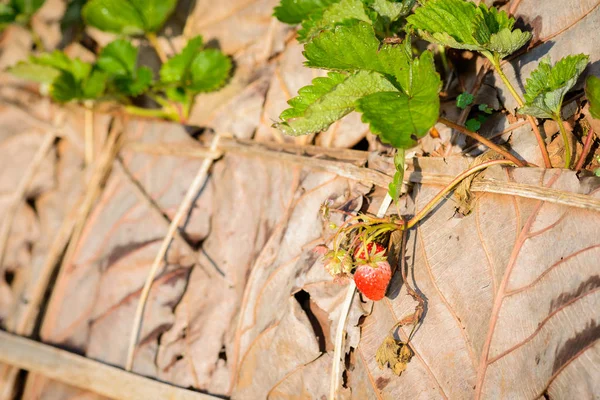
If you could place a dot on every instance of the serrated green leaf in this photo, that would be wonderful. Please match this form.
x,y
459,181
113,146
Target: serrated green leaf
x,y
547,86
355,47
464,100
177,67
328,107
118,58
177,94
485,108
26,7
94,85
592,92
57,59
310,94
34,72
65,88
334,15
209,71
117,16
463,25
295,11
154,12
507,42
135,84
392,10
400,119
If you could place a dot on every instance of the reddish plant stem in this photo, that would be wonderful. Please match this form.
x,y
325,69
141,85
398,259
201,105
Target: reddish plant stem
x,y
482,140
586,149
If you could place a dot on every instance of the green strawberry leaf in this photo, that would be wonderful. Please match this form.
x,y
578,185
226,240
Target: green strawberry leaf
x,y
95,84
355,47
328,100
176,69
209,71
136,84
335,14
34,72
65,88
128,17
592,92
295,11
57,60
463,25
401,118
392,10
118,58
464,100
547,86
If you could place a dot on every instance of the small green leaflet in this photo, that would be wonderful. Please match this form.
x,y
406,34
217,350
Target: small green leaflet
x,y
592,92
177,68
196,70
128,17
295,11
335,14
485,108
547,86
26,7
473,124
34,72
18,11
401,118
464,100
395,187
66,87
463,25
355,47
328,100
118,59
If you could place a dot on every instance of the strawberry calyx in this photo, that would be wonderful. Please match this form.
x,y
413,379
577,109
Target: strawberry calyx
x,y
338,262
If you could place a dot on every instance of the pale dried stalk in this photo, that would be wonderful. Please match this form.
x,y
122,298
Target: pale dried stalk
x,y
349,170
341,328
88,134
19,194
183,209
86,374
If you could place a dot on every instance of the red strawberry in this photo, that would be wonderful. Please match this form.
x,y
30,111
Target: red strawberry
x,y
372,279
359,253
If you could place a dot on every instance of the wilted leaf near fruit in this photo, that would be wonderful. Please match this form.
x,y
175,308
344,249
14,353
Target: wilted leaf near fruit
x,y
394,354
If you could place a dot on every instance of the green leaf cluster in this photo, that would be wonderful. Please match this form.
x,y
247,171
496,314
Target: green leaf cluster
x,y
128,17
116,75
397,95
18,11
461,24
547,86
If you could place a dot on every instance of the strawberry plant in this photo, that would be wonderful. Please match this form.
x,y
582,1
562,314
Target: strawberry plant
x,y
116,75
375,69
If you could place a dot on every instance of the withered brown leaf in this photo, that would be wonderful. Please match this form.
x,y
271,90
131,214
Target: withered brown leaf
x,y
395,354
